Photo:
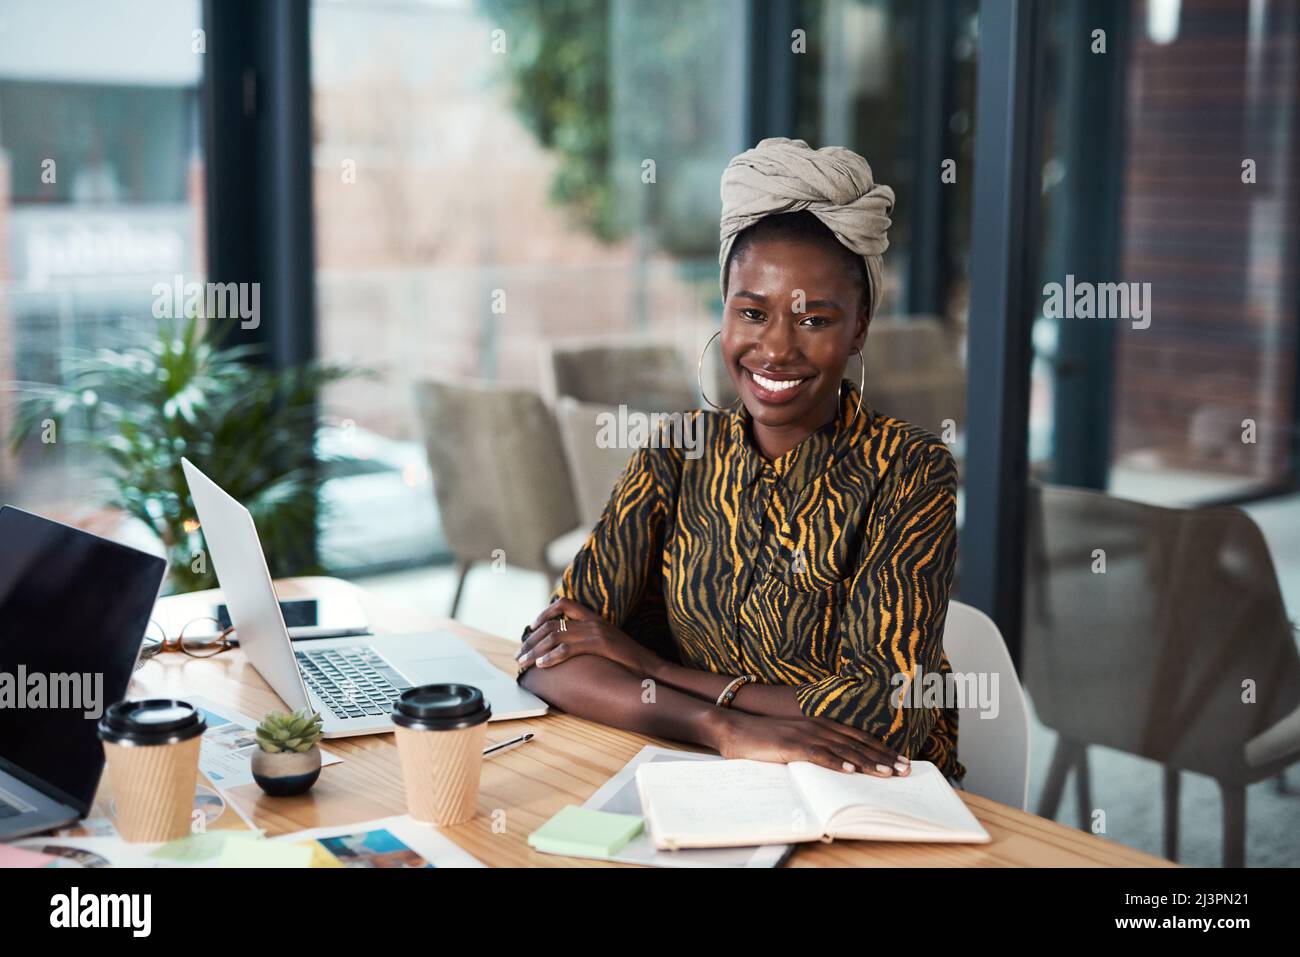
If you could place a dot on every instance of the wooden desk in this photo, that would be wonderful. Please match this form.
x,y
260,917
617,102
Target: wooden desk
x,y
565,764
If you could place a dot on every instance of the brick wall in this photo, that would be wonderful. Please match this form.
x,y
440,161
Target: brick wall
x,y
1221,254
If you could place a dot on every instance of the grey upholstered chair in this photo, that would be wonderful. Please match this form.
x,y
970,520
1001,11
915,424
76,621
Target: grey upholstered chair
x,y
1180,651
643,375
499,473
584,377
595,469
914,371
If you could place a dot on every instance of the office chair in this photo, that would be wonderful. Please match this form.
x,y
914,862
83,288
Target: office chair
x,y
1159,632
644,375
994,750
499,473
586,376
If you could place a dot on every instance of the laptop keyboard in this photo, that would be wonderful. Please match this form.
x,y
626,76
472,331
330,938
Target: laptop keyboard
x,y
351,682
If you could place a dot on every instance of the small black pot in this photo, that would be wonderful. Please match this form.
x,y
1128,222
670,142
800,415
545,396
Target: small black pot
x,y
286,773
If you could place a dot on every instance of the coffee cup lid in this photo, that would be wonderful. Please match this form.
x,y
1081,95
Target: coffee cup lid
x,y
151,721
443,707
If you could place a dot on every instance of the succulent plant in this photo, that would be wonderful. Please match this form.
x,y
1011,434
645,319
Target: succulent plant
x,y
297,731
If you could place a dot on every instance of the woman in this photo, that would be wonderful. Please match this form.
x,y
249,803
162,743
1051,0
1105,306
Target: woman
x,y
772,597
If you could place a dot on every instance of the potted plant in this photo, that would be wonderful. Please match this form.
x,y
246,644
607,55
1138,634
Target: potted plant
x,y
173,390
287,759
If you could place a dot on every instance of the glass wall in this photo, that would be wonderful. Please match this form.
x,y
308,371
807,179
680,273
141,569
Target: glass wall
x,y
895,81
492,176
101,198
1189,395
499,181
1165,373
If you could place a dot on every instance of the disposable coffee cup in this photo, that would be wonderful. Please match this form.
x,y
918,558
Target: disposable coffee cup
x,y
440,731
152,748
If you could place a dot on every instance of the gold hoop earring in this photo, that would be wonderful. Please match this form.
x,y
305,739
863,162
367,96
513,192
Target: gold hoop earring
x,y
699,376
862,384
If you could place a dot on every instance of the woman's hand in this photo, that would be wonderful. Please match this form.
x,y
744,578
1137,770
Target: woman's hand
x,y
817,740
583,633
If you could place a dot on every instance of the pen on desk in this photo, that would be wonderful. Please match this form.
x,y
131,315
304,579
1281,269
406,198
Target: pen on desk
x,y
492,750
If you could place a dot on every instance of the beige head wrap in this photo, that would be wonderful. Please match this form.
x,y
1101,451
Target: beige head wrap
x,y
781,175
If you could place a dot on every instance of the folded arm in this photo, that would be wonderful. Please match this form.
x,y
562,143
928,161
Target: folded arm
x,y
596,688
593,687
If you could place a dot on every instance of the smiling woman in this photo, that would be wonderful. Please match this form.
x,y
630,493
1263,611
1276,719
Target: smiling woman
x,y
799,307
769,596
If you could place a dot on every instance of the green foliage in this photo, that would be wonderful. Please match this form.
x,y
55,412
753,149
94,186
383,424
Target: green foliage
x,y
298,731
605,85
558,62
171,392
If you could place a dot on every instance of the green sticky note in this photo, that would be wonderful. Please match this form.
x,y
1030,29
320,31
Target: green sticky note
x,y
582,832
201,847
264,854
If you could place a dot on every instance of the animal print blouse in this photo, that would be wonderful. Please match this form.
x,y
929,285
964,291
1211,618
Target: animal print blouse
x,y
827,569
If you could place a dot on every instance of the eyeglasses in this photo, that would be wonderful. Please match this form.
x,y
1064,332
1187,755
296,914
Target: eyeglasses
x,y
194,639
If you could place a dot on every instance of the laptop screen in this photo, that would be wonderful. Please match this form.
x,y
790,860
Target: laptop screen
x,y
73,611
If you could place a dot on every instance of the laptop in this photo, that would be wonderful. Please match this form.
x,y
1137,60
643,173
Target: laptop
x,y
352,681
73,612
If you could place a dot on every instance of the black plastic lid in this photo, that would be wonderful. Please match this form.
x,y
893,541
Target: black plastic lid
x,y
151,721
443,707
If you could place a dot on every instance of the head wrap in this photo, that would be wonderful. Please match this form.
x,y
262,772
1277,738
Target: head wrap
x,y
835,184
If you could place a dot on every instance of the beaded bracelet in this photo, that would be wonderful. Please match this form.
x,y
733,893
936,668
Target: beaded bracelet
x,y
733,687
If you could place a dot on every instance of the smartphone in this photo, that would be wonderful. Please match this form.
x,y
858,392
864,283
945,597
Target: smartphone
x,y
298,613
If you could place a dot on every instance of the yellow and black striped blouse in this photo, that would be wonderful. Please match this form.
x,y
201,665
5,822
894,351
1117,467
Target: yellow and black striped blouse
x,y
826,569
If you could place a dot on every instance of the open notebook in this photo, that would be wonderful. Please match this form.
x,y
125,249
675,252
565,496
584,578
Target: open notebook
x,y
741,802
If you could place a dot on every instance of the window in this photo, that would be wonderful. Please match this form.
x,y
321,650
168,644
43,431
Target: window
x,y
493,176
101,197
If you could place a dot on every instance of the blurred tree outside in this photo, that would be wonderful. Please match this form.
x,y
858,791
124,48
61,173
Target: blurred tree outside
x,y
557,59
609,84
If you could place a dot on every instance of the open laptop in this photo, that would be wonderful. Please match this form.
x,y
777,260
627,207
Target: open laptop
x,y
352,681
73,612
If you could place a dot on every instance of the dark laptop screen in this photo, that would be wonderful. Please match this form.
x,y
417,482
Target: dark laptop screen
x,y
73,610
